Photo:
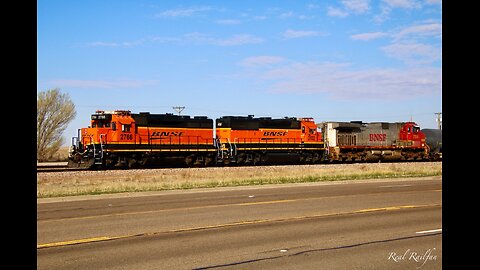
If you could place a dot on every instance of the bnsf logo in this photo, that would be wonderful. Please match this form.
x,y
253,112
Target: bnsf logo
x,y
166,133
274,133
378,137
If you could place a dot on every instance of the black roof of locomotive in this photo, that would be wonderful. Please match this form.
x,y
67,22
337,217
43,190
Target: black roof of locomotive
x,y
251,123
171,120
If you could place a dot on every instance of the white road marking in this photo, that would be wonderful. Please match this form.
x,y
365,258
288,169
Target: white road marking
x,y
430,231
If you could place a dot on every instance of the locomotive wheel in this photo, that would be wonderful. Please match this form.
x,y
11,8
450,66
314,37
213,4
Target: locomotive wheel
x,y
189,160
209,160
132,163
257,160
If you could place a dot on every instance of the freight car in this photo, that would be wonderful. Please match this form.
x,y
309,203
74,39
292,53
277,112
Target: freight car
x,y
358,141
127,140
434,141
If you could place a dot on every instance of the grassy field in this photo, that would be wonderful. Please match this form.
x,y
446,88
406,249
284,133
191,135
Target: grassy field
x,y
102,182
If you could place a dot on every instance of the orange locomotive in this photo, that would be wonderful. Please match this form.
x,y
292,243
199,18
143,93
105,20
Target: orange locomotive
x,y
249,140
122,139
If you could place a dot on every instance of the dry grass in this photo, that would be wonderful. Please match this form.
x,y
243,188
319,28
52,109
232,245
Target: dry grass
x,y
99,182
60,155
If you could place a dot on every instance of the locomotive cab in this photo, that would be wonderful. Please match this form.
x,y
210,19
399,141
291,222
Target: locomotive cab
x,y
105,127
109,126
310,132
411,135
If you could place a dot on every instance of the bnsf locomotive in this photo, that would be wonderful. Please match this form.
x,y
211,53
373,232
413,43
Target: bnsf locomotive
x,y
127,140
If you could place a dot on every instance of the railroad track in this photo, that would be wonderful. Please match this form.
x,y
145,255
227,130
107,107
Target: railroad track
x,y
56,167
60,167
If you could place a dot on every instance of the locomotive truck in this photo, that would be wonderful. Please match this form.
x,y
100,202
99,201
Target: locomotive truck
x,y
121,139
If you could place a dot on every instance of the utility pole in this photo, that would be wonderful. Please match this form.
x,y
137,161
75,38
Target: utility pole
x,y
179,109
439,120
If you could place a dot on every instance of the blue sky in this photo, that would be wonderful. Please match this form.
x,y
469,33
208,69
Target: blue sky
x,y
331,60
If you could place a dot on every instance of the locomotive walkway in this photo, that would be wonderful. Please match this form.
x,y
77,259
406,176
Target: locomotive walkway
x,y
381,224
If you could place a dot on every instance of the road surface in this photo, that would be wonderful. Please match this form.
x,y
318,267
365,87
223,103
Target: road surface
x,y
374,224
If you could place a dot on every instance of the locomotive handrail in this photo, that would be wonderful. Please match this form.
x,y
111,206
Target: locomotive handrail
x,y
174,140
101,143
267,140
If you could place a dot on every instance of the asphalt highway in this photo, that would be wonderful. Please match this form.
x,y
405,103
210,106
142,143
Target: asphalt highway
x,y
375,224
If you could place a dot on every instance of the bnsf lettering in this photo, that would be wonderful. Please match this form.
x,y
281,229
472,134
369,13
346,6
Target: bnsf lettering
x,y
378,137
274,133
166,133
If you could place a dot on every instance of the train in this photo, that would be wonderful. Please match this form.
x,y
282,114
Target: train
x,y
122,139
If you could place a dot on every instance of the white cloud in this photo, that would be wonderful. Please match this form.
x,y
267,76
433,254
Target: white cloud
x,y
262,60
423,30
103,44
229,21
182,12
408,4
384,14
388,5
339,81
349,6
413,53
166,39
409,44
259,17
313,6
194,38
357,6
285,15
368,36
106,84
289,34
291,14
414,45
336,12
237,40
116,44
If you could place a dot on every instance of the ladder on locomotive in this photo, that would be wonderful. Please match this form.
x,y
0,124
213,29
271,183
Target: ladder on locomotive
x,y
230,153
98,154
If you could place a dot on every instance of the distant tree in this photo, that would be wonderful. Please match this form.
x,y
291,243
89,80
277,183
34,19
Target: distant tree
x,y
54,111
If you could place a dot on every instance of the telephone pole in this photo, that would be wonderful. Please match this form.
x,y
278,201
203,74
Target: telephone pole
x,y
179,109
439,120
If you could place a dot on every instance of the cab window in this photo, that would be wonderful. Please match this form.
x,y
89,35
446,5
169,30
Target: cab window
x,y
126,128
